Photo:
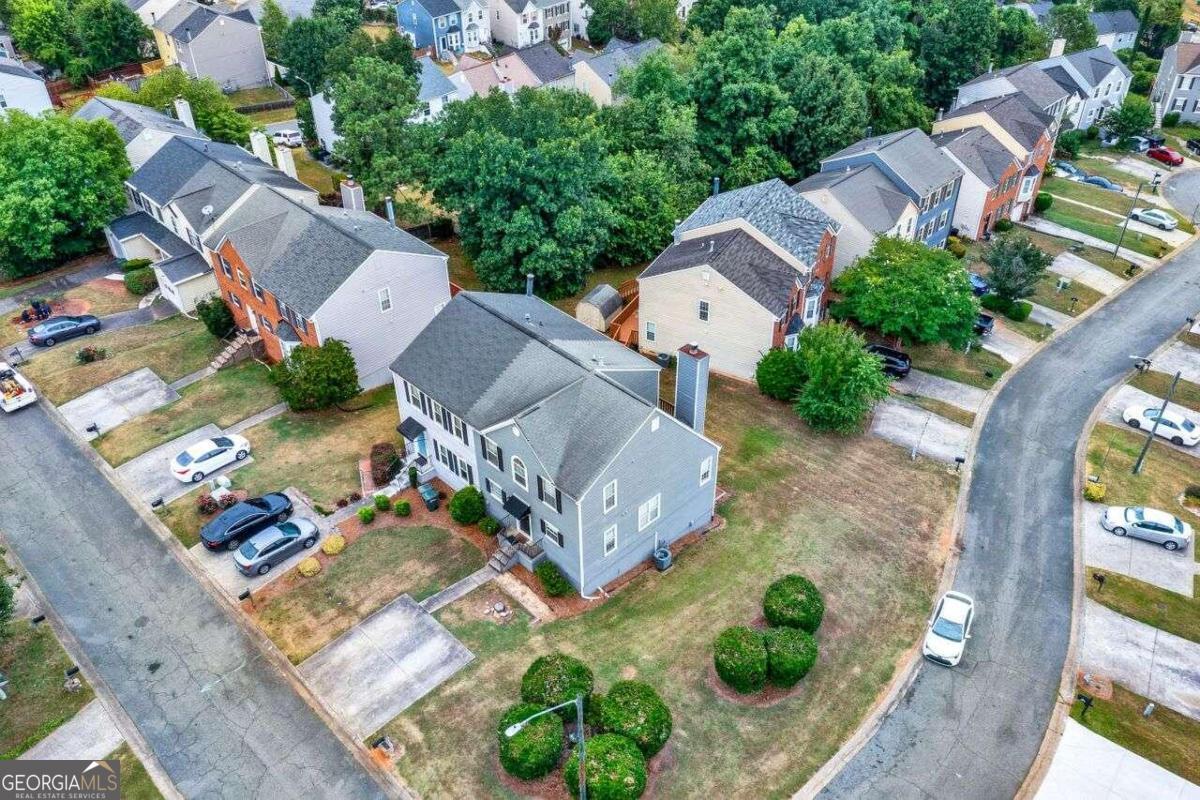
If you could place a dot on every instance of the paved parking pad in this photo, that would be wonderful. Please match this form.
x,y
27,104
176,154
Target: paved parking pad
x,y
910,426
117,401
383,665
959,395
1180,358
150,477
1007,343
1077,268
1127,396
1146,561
221,568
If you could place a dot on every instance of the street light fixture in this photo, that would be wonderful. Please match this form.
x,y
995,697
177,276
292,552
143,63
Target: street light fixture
x,y
1153,185
516,727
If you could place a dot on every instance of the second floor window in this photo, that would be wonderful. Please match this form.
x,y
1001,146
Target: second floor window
x,y
610,496
704,311
242,278
494,490
254,287
649,512
549,494
650,331
706,470
552,533
228,270
492,453
519,476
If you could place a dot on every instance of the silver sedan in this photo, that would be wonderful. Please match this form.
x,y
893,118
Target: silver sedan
x,y
275,545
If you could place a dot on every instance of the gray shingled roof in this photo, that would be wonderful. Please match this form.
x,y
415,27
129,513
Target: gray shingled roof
x,y
1122,21
546,63
1096,64
910,154
772,208
439,8
186,19
131,119
979,151
485,362
1015,113
764,277
10,66
605,299
139,222
302,254
433,82
609,64
184,268
1041,88
866,193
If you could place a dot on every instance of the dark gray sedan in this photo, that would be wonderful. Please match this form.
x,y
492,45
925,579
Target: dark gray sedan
x,y
57,329
275,545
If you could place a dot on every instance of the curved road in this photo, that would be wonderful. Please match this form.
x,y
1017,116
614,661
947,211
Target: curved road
x,y
973,731
222,719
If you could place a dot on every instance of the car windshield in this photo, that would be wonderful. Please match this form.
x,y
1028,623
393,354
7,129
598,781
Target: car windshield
x,y
948,630
248,549
1178,525
223,441
258,502
289,528
1134,514
183,459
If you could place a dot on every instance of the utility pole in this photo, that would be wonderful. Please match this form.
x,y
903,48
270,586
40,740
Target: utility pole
x,y
1137,466
1136,195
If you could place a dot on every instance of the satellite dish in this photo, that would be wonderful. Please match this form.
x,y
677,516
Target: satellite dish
x,y
206,210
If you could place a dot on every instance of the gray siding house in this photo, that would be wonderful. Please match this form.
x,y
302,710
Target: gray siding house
x,y
562,431
206,43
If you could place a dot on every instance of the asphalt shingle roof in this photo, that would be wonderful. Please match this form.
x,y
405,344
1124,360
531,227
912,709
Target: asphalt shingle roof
x,y
1015,113
764,277
132,119
185,267
1187,57
910,154
868,194
10,66
1122,21
609,64
1096,64
605,298
186,20
482,359
139,222
433,82
979,151
772,208
439,8
545,62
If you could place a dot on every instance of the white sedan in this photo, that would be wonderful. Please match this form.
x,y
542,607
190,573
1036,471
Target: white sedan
x,y
949,629
1172,425
206,457
1156,217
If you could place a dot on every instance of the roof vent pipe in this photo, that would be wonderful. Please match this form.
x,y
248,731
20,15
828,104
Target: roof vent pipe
x,y
528,287
716,186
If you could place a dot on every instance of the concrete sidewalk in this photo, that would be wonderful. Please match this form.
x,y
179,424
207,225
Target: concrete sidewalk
x,y
1062,231
1048,316
459,589
910,426
89,735
1078,268
1181,358
959,395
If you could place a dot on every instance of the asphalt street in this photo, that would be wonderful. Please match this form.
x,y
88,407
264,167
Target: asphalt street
x,y
222,719
973,731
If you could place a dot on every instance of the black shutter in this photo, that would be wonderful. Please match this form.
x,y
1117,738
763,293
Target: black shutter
x,y
557,500
541,495
499,458
407,396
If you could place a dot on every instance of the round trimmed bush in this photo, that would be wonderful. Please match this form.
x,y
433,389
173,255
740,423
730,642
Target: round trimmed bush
x,y
366,515
554,583
1043,201
467,506
141,281
557,678
791,653
1019,311
535,750
616,769
794,602
489,525
1094,491
333,544
309,567
634,709
403,508
383,502
740,655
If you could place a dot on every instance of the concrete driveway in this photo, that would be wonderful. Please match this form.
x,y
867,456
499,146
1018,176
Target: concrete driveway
x,y
150,477
383,665
1153,663
1133,557
959,395
221,567
1181,358
1127,396
1007,343
118,401
1078,268
910,426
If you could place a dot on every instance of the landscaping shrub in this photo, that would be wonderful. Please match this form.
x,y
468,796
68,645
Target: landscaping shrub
x,y
385,463
355,497
1192,493
489,525
634,709
205,504
141,281
779,374
366,515
412,477
1094,491
313,378
1092,132
740,655
791,653
1019,311
955,246
342,502
536,750
333,544
383,502
554,583
228,500
1003,225
994,302
309,567
467,506
615,769
1067,145
557,678
135,264
216,316
1170,119
794,602
403,508
1043,201
90,354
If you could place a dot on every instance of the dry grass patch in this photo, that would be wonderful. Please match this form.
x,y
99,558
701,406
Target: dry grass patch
x,y
976,368
313,173
103,297
803,502
34,662
942,409
1187,394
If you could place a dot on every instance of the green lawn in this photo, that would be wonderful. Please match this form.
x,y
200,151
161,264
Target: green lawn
x,y
317,452
314,174
1187,394
1167,737
172,348
1055,245
371,572
1145,602
254,96
971,368
37,703
135,780
1074,300
272,116
1112,452
229,396
1106,227
1115,202
803,502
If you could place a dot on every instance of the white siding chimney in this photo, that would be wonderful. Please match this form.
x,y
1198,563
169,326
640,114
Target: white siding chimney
x,y
183,110
691,386
285,162
352,195
1057,47
260,147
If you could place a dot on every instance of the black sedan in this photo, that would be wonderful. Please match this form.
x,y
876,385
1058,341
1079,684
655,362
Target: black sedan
x,y
241,521
896,363
984,324
57,329
979,284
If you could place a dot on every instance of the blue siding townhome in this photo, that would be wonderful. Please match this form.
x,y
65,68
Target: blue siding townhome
x,y
561,429
918,168
431,23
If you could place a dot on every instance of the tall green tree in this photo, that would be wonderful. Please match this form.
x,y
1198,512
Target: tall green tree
x,y
44,30
1070,21
313,378
213,111
912,291
61,181
110,34
657,19
304,49
812,85
274,24
957,43
1133,117
645,204
843,382
894,94
1161,22
611,18
1019,38
1017,264
373,102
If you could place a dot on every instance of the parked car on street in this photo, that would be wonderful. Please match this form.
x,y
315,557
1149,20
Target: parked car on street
x,y
1194,145
1103,183
242,520
1166,155
984,324
896,363
58,329
1172,425
15,389
275,545
204,458
1156,217
1066,169
1155,139
979,284
1149,524
287,138
949,629
1139,144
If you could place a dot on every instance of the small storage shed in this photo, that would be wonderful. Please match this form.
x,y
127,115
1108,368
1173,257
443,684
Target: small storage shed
x,y
598,307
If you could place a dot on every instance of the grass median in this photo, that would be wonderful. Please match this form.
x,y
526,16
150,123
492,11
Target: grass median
x,y
1106,227
976,368
1157,607
34,662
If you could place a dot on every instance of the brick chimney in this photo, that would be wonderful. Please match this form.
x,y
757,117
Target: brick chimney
x,y
691,386
352,195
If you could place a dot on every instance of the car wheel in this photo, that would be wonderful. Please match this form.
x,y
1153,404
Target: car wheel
x,y
1133,423
89,330
264,569
49,342
1118,531
241,454
1172,546
1177,440
1162,227
309,542
232,544
197,477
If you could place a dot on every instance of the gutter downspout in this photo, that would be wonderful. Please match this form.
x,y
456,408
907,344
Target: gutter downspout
x,y
579,533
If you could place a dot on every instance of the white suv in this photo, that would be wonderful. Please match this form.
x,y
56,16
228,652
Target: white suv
x,y
949,629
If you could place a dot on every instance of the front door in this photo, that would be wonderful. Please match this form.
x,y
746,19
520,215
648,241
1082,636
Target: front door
x,y
253,320
420,443
523,524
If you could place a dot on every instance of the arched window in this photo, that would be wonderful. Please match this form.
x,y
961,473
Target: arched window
x,y
518,469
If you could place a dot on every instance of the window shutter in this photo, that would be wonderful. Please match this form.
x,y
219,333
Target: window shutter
x,y
407,394
557,501
499,458
541,494
503,495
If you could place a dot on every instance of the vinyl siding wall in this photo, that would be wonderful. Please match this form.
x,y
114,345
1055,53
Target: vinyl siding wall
x,y
435,433
854,240
588,82
230,52
184,296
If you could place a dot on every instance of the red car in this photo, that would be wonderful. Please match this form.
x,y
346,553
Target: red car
x,y
1166,155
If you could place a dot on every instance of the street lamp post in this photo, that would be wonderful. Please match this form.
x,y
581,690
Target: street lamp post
x,y
515,728
1137,466
1153,184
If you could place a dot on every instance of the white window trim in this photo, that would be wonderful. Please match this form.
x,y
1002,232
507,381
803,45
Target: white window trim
x,y
520,478
494,487
607,549
384,296
549,493
656,500
706,467
613,484
651,331
486,442
704,311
